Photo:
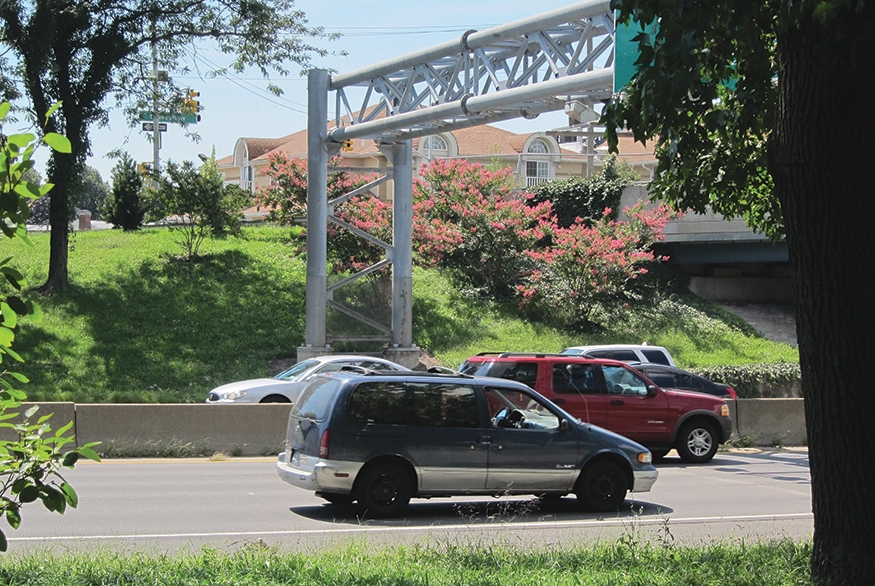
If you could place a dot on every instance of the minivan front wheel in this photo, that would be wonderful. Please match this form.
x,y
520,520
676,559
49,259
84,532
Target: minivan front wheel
x,y
384,491
697,442
602,486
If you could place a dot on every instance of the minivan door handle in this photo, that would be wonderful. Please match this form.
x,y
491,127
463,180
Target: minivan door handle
x,y
559,400
618,402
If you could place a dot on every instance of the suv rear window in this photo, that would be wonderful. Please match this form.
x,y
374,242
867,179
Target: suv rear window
x,y
624,355
316,399
524,372
657,356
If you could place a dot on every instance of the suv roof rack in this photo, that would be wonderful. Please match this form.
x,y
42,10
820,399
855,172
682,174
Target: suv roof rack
x,y
533,355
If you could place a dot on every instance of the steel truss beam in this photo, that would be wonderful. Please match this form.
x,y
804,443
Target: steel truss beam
x,y
523,68
520,69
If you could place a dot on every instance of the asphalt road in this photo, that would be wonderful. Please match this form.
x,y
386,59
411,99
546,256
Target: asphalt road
x,y
173,505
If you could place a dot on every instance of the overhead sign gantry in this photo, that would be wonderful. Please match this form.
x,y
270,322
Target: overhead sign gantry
x,y
521,69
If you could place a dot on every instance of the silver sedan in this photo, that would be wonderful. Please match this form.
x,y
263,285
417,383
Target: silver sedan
x,y
286,386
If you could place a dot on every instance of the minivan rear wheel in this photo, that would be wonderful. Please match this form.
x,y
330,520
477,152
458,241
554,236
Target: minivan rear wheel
x,y
602,486
384,491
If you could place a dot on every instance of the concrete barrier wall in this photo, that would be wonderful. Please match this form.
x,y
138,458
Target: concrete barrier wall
x,y
770,422
256,430
183,430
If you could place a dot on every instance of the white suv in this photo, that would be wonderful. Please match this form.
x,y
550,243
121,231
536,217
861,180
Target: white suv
x,y
624,352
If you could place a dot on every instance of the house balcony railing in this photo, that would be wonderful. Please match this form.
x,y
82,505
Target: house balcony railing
x,y
532,181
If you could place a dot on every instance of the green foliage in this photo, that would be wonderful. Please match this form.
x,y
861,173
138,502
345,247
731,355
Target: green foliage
x,y
87,53
632,560
752,381
241,311
708,103
94,193
124,207
136,326
587,197
29,463
196,204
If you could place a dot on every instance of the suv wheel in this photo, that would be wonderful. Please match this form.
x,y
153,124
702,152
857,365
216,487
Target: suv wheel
x,y
602,486
384,491
697,442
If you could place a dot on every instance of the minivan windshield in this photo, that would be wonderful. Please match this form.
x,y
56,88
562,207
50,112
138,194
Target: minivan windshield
x,y
316,399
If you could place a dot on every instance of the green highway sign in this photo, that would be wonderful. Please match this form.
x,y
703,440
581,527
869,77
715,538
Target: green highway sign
x,y
626,50
172,117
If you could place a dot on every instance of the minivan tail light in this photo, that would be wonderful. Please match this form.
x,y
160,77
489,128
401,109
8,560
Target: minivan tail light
x,y
732,393
324,442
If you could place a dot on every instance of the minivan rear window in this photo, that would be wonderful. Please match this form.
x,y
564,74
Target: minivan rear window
x,y
315,399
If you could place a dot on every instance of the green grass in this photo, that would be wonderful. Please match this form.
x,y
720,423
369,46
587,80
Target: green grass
x,y
626,562
139,325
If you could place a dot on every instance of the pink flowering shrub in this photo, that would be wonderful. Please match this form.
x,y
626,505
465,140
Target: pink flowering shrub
x,y
588,266
285,200
468,220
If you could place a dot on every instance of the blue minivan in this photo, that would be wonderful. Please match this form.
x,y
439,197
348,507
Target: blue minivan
x,y
382,438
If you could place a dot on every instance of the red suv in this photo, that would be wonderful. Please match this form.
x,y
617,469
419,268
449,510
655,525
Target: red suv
x,y
611,394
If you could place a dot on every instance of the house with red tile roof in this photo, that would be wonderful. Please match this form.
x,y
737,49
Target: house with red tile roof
x,y
534,158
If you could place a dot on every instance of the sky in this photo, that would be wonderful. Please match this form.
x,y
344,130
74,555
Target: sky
x,y
373,31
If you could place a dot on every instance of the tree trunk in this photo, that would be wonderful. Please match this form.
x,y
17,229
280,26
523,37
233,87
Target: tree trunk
x,y
821,160
62,175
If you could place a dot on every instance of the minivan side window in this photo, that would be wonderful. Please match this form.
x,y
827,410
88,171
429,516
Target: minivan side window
x,y
315,399
379,402
443,405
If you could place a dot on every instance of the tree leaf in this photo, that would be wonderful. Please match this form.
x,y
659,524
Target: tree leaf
x,y
58,142
53,109
4,111
70,494
89,453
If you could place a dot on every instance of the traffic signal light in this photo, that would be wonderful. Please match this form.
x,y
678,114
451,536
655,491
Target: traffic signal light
x,y
346,145
144,168
190,105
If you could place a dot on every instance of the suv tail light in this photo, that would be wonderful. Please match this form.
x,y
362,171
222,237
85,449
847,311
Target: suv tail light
x,y
324,442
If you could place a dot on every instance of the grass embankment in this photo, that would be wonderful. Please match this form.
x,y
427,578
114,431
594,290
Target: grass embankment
x,y
626,562
138,325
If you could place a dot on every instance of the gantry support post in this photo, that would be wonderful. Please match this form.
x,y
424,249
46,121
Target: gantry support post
x,y
402,350
317,216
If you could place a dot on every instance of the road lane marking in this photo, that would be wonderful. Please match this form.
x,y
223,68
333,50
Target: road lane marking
x,y
638,521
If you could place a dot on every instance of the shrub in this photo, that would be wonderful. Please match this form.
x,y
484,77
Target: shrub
x,y
754,381
196,204
586,197
123,207
588,266
468,221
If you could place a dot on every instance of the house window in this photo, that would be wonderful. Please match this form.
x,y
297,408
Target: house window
x,y
537,172
248,183
433,143
539,147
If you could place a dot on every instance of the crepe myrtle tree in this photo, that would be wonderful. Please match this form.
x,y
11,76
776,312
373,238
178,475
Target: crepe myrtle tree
x,y
87,52
31,455
763,109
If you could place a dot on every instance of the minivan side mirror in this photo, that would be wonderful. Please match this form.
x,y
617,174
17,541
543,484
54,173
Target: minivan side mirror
x,y
564,425
651,390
